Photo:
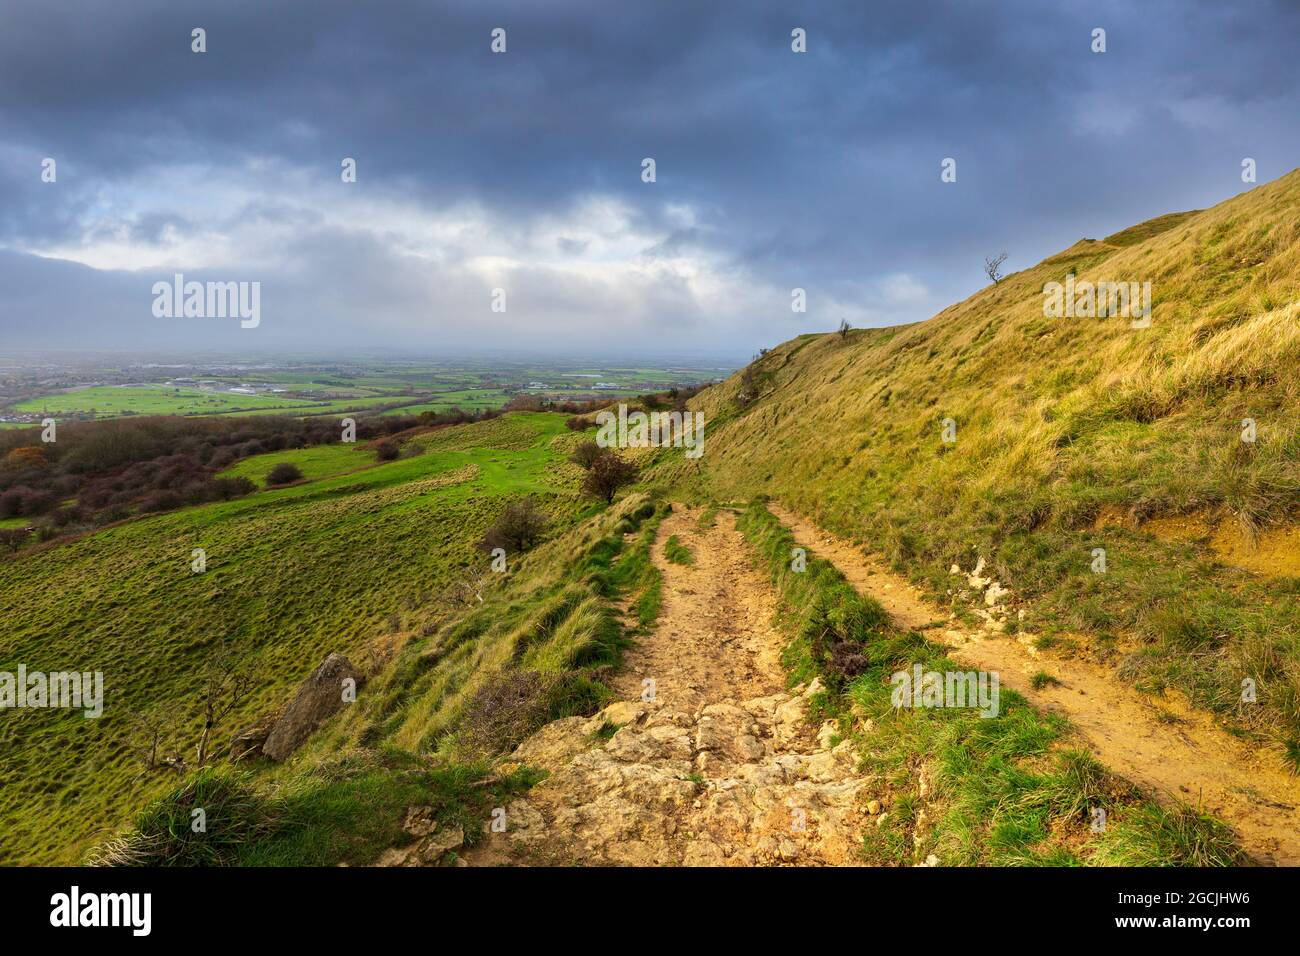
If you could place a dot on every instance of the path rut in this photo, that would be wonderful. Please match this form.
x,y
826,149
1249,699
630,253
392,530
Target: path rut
x,y
1192,758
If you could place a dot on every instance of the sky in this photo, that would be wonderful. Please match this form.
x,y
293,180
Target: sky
x,y
523,170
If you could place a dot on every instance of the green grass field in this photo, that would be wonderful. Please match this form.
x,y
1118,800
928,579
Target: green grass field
x,y
469,399
292,574
111,401
318,461
108,401
329,390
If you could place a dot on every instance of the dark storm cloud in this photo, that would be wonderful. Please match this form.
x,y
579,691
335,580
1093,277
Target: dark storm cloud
x,y
817,170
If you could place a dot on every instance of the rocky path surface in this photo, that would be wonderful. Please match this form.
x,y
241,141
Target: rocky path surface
x,y
1165,748
719,765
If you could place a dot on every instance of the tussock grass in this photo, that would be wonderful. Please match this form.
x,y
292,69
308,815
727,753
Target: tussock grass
x,y
345,810
554,617
676,552
1177,836
168,833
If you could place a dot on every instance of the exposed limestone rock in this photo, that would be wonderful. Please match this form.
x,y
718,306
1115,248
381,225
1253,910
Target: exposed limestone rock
x,y
319,697
430,844
624,712
736,784
721,769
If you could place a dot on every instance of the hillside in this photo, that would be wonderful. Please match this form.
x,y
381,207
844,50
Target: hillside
x,y
351,562
1071,434
1067,501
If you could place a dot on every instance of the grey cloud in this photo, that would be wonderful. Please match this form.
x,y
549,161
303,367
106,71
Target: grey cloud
x,y
818,170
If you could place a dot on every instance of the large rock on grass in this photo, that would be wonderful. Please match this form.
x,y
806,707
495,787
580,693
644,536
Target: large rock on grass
x,y
320,696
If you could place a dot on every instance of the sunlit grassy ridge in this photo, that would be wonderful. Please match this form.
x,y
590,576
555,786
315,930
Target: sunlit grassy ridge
x,y
292,574
1058,421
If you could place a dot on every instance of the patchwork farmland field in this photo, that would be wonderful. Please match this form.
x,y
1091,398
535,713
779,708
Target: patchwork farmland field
x,y
397,389
110,401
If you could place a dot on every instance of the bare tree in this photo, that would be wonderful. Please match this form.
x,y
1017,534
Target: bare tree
x,y
465,591
844,329
748,389
151,734
993,267
225,683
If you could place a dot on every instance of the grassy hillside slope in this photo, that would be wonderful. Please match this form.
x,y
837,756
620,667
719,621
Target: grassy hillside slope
x,y
1071,434
338,564
468,683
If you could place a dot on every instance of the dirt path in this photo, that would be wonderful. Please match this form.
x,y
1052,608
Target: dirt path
x,y
714,637
719,768
1167,749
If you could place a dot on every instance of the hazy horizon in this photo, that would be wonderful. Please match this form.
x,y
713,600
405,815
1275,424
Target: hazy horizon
x,y
23,357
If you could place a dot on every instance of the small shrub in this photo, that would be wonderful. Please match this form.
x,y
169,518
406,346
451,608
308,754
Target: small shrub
x,y
608,473
13,538
387,451
520,526
747,392
505,711
224,489
510,708
284,473
586,454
